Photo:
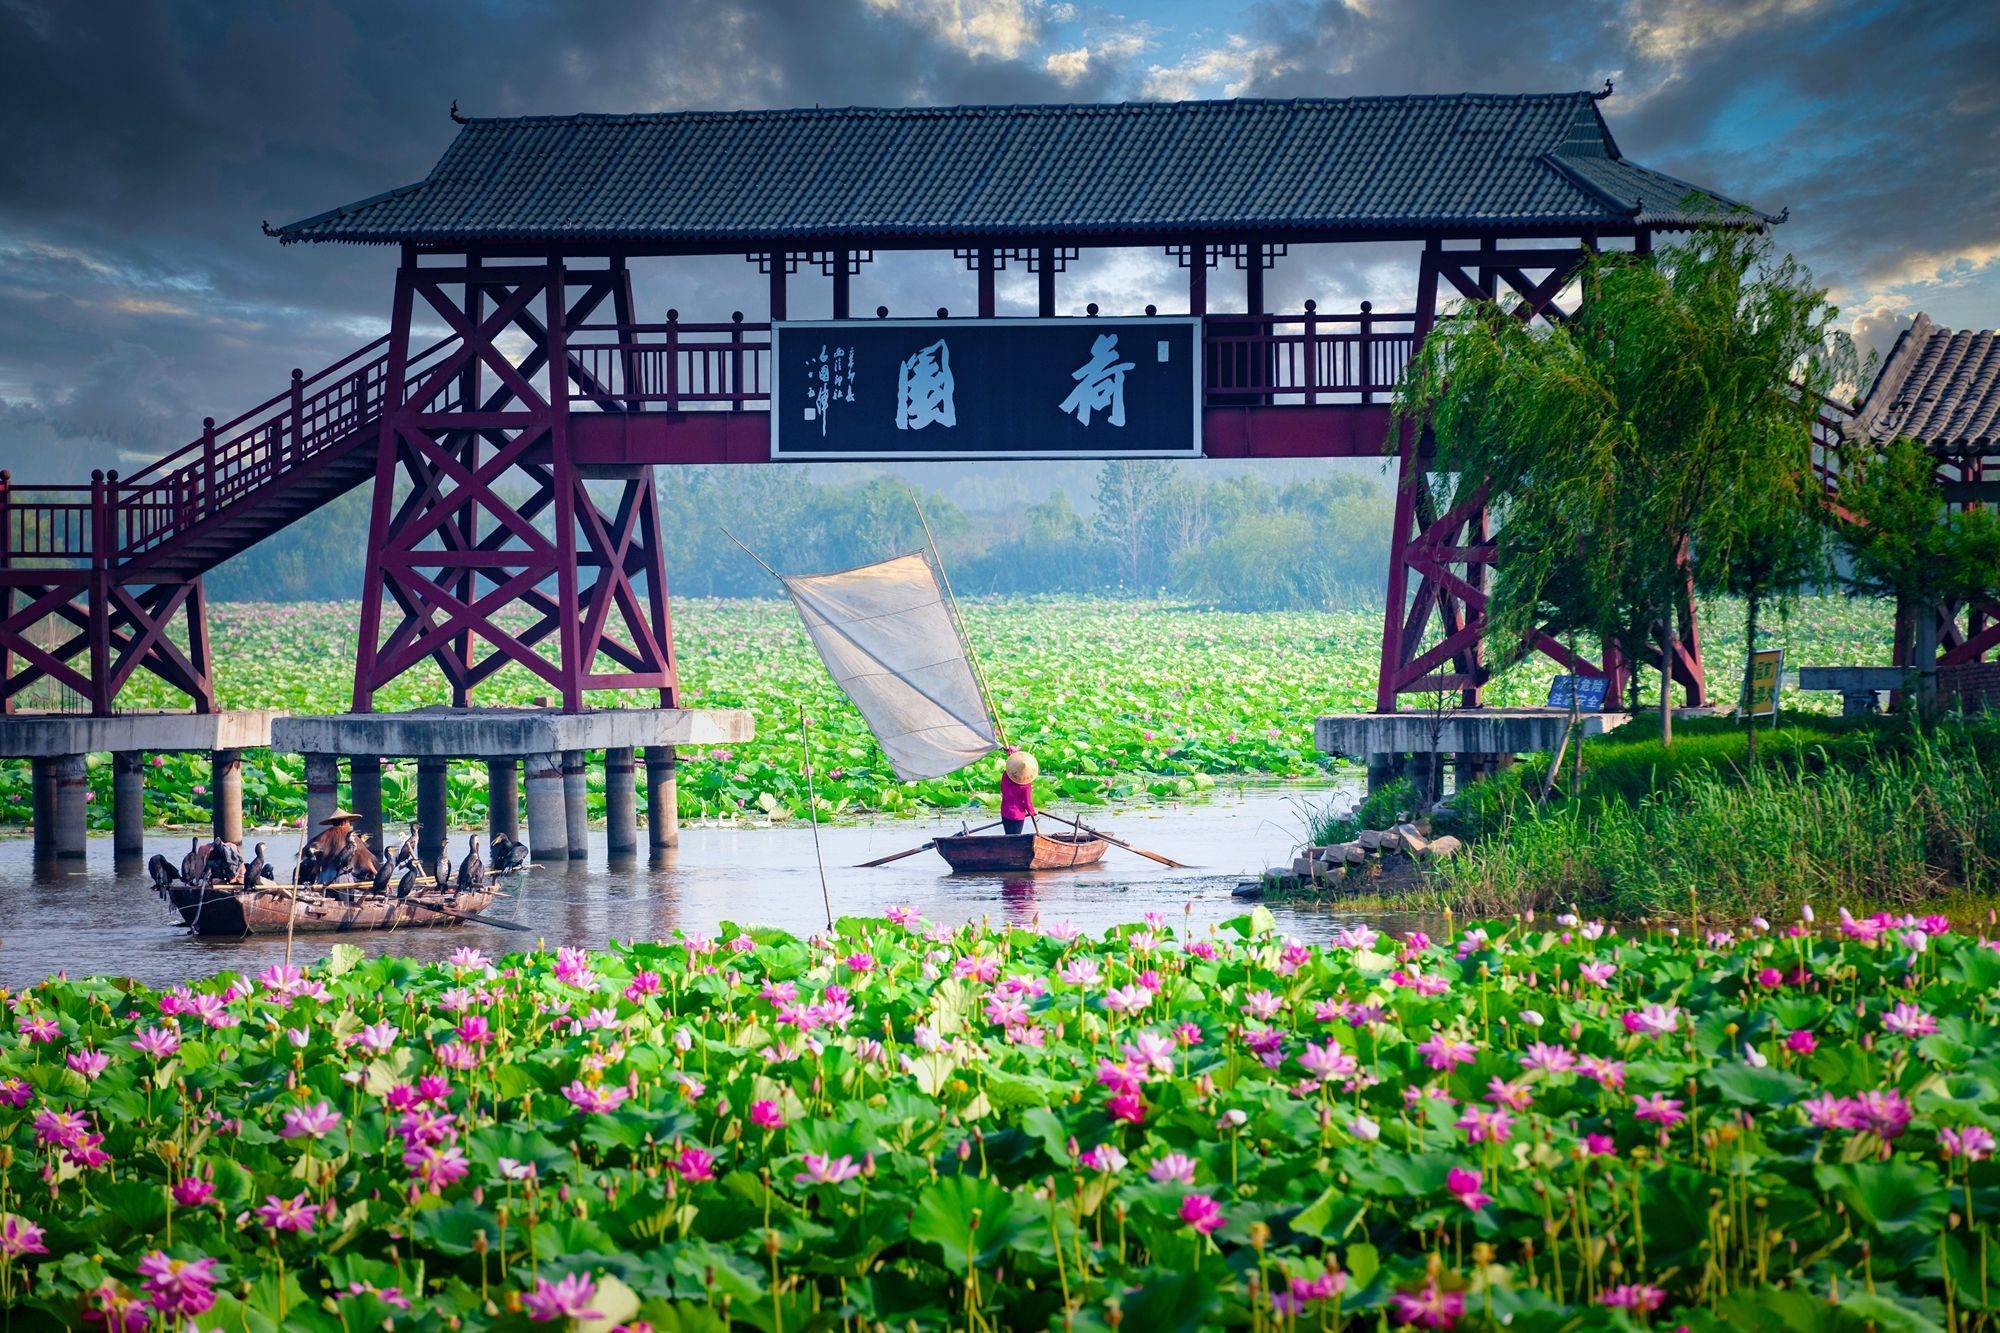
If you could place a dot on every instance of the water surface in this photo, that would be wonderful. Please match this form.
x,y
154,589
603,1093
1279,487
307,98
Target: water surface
x,y
93,919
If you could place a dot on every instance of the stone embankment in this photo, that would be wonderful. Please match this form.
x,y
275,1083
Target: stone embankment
x,y
1377,861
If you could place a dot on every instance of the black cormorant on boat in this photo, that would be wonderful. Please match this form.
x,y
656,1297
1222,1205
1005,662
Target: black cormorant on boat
x,y
194,867
257,869
471,871
508,854
408,882
162,870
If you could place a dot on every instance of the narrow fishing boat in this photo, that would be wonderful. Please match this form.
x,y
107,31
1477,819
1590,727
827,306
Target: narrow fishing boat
x,y
892,639
1021,851
233,911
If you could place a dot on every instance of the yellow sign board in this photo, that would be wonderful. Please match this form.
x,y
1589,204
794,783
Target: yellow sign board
x,y
1765,666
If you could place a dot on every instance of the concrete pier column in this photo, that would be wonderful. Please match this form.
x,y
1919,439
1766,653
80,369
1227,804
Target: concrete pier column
x,y
503,798
432,829
576,803
42,793
225,792
72,826
621,803
322,789
548,827
663,796
1381,771
1422,770
128,804
364,786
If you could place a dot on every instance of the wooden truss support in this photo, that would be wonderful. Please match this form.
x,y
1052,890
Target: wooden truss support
x,y
487,542
1442,546
90,634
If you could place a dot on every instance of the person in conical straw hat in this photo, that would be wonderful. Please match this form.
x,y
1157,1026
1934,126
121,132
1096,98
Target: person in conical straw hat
x,y
1017,790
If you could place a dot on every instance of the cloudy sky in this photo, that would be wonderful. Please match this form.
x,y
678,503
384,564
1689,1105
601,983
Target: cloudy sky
x,y
146,141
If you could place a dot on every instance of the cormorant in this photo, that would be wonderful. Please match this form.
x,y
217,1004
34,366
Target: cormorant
x,y
508,854
471,872
194,864
162,870
256,870
409,879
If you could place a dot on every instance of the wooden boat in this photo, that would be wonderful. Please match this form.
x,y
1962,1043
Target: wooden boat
x,y
1021,851
230,911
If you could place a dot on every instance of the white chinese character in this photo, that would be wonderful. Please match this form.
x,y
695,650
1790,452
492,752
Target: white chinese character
x,y
924,389
1100,383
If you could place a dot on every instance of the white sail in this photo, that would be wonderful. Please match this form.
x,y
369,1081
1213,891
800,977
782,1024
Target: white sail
x,y
887,633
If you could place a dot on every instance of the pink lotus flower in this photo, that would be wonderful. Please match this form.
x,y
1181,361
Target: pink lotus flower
x,y
1082,972
594,1101
1597,974
1172,1166
178,1286
1202,1213
377,1037
1464,1186
821,1169
159,1043
88,1063
313,1122
1127,999
1655,1020
40,1030
1427,1307
1104,1157
566,1298
765,1115
1128,1108
1909,1021
1263,1006
694,1164
1548,1059
1443,1052
1801,1042
437,1167
1633,1297
1484,1126
293,1214
19,1236
1659,1109
1974,1143
193,1191
15,1092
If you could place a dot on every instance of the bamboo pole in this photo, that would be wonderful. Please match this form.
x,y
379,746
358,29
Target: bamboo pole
x,y
812,810
958,622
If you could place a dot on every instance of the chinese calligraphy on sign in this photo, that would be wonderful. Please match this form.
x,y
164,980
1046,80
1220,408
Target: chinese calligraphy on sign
x,y
1100,383
925,391
829,380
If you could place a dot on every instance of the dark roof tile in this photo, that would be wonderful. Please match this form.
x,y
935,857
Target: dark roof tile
x,y
1940,387
741,179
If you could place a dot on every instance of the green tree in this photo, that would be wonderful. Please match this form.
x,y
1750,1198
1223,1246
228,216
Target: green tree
x,y
1905,541
1130,493
1631,440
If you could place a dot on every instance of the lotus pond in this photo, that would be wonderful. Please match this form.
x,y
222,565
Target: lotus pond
x,y
1546,1125
1119,699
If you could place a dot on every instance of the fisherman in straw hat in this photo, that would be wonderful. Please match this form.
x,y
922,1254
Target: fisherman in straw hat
x,y
337,852
1017,790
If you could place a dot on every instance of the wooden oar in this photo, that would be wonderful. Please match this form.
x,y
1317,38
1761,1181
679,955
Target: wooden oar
x,y
897,856
1119,842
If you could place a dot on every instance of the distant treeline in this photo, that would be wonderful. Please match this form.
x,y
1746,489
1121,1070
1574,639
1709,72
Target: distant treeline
x,y
1149,527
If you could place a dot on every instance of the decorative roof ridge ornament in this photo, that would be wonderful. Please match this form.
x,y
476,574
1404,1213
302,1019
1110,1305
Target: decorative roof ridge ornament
x,y
1603,92
457,119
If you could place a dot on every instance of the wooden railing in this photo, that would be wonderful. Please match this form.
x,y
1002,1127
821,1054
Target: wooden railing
x,y
1309,358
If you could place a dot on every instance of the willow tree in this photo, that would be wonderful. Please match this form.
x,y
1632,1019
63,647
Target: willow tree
x,y
1631,445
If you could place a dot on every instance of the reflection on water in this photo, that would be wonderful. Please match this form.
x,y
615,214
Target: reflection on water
x,y
97,919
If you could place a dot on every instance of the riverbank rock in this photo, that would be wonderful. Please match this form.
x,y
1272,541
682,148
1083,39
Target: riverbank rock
x,y
1377,862
1441,848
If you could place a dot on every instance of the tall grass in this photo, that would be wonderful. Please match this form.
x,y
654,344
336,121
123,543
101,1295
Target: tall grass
x,y
1905,823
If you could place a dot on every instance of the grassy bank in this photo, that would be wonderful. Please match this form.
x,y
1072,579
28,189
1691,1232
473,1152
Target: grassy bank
x,y
1832,812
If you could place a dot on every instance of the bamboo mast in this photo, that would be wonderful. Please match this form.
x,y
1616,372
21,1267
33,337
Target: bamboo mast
x,y
958,623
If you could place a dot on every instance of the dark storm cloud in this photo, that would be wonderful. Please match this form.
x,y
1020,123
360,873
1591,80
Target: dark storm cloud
x,y
146,142
1877,124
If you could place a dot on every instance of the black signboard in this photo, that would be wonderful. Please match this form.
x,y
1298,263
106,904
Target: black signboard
x,y
986,388
1584,693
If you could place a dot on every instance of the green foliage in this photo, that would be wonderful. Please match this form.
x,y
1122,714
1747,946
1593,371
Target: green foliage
x,y
1906,543
1840,812
1661,415
1336,820
587,1140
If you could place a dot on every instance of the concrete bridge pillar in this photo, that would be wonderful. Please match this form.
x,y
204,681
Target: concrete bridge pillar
x,y
548,826
576,803
1381,771
42,789
364,785
663,810
72,790
621,803
503,798
225,792
128,804
433,829
322,789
